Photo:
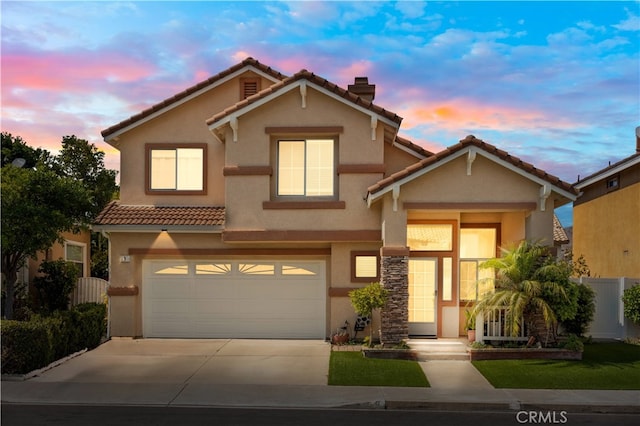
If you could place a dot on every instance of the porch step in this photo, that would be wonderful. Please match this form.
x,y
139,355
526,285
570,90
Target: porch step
x,y
440,349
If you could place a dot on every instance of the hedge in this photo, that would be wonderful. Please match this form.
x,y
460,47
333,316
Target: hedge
x,y
29,345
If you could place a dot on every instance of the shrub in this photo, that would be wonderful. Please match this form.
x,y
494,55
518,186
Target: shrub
x,y
26,346
573,343
57,284
585,310
631,300
29,345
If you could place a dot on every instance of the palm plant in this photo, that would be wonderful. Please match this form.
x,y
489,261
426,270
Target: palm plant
x,y
521,285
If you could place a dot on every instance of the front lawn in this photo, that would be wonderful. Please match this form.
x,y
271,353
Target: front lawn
x,y
353,369
603,366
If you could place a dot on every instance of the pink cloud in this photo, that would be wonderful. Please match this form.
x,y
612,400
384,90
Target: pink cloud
x,y
460,113
67,70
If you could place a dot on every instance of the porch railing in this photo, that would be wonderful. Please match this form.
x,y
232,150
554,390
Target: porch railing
x,y
89,289
492,326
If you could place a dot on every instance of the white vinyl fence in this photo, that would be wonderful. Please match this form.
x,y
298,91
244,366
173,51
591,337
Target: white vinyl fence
x,y
609,321
89,289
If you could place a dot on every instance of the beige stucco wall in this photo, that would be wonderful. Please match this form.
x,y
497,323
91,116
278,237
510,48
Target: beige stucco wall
x,y
245,194
57,252
182,124
606,231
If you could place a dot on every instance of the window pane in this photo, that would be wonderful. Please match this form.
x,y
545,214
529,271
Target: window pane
x,y
291,168
74,253
477,243
366,266
182,269
189,169
213,268
485,282
257,268
163,169
319,164
468,279
433,237
292,269
447,278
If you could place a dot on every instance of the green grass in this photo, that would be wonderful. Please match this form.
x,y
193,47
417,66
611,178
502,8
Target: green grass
x,y
353,369
603,366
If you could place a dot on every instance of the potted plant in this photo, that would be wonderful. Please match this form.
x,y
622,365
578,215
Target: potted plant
x,y
470,325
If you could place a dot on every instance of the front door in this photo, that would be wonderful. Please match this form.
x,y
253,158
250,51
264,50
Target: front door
x,y
423,288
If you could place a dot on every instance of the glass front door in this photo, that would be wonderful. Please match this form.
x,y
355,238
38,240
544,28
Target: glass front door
x,y
423,285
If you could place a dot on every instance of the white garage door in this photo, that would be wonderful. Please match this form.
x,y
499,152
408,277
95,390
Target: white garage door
x,y
234,298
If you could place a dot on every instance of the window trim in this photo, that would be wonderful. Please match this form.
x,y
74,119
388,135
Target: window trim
x,y
149,147
276,159
83,246
354,255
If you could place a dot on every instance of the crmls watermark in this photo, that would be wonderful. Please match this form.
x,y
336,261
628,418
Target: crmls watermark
x,y
541,417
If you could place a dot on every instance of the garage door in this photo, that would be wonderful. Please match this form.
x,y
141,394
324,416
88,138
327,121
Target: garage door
x,y
234,298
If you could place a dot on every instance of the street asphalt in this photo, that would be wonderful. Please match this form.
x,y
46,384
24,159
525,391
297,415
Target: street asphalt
x,y
273,373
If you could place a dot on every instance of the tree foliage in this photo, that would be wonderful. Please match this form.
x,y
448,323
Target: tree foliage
x,y
366,299
37,206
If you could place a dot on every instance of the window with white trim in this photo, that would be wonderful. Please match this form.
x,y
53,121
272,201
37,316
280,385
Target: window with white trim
x,y
476,246
306,168
176,169
74,253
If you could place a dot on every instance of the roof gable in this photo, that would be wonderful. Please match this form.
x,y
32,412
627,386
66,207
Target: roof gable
x,y
301,81
470,146
248,64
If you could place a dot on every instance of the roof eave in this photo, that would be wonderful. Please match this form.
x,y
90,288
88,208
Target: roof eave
x,y
178,229
608,172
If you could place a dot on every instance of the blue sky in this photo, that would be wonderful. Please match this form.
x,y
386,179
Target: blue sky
x,y
555,83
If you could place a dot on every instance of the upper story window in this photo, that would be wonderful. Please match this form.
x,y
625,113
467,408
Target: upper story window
x,y
176,169
613,183
306,168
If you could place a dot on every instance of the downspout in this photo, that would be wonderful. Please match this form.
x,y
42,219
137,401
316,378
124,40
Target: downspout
x,y
106,235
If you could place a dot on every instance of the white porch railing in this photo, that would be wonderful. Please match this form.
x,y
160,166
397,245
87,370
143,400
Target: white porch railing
x,y
493,326
89,289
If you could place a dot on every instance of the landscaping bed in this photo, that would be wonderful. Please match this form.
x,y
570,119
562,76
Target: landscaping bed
x,y
523,353
390,353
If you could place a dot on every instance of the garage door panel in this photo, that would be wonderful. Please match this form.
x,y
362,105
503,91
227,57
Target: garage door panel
x,y
234,298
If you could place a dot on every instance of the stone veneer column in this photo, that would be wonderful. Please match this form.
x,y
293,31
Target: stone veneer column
x,y
394,276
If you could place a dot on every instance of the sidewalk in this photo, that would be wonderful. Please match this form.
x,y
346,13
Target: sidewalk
x,y
167,376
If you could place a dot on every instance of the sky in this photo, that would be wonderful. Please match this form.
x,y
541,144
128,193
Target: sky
x,y
554,83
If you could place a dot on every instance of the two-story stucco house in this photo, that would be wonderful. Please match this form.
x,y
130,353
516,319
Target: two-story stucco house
x,y
253,202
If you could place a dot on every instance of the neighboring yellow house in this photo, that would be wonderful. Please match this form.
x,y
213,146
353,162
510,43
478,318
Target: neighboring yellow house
x,y
606,219
253,202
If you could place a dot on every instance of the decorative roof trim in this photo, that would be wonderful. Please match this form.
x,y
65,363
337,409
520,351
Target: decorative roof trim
x,y
249,64
468,146
303,79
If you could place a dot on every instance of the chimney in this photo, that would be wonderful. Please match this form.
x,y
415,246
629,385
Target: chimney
x,y
362,88
638,139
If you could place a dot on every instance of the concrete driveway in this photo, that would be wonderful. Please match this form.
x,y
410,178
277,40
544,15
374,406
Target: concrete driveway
x,y
182,361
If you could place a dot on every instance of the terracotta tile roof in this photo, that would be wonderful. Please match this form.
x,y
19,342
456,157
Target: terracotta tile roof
x,y
466,142
412,146
559,234
311,77
118,214
167,102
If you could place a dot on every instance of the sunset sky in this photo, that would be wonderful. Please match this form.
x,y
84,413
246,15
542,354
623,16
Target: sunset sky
x,y
555,83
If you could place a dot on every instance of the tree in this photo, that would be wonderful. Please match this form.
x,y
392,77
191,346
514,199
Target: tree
x,y
366,299
37,206
56,284
14,148
524,279
82,161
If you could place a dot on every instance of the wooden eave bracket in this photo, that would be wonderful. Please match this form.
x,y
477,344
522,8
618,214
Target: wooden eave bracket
x,y
545,191
233,122
471,157
395,193
374,126
303,94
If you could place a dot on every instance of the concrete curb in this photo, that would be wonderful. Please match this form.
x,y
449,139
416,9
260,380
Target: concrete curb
x,y
35,373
